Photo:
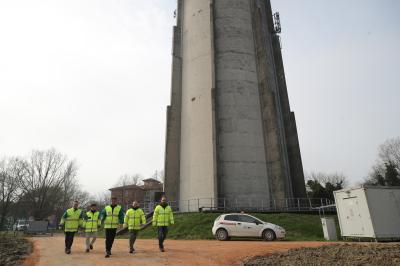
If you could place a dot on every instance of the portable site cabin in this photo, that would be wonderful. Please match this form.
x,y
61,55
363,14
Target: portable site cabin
x,y
369,212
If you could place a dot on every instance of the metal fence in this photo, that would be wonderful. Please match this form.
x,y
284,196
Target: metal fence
x,y
252,204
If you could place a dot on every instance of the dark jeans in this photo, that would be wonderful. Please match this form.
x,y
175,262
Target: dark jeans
x,y
69,239
110,236
162,235
132,237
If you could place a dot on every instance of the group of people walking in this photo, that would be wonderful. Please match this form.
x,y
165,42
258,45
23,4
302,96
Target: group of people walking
x,y
113,217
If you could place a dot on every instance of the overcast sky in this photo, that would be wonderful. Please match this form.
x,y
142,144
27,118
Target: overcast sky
x,y
91,78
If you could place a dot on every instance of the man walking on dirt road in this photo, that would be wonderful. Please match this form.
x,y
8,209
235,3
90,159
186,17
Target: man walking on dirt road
x,y
113,217
70,222
91,222
162,218
134,219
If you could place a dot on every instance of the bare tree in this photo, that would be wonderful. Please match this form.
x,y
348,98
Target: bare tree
x,y
389,152
324,178
386,171
11,172
322,185
126,180
44,185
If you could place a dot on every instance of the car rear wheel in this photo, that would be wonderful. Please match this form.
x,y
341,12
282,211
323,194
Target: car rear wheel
x,y
222,234
268,235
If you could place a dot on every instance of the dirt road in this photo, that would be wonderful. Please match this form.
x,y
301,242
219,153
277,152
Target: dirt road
x,y
50,251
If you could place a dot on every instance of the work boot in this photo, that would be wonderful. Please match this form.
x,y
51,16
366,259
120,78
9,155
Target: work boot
x,y
162,249
108,253
68,251
131,250
91,246
87,250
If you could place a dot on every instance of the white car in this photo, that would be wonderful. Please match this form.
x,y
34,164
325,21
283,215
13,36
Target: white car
x,y
20,225
244,225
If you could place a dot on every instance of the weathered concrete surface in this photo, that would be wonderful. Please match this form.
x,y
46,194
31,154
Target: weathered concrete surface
x,y
197,154
50,251
173,134
242,169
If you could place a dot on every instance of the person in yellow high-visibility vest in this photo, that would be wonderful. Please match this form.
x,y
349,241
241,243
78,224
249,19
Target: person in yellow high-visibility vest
x,y
134,219
162,218
70,222
113,217
91,222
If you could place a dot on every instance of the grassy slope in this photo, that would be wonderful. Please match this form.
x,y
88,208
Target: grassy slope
x,y
198,226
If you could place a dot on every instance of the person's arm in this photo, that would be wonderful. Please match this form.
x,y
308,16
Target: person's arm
x,y
103,215
143,217
121,216
81,220
126,219
99,221
62,221
171,216
155,216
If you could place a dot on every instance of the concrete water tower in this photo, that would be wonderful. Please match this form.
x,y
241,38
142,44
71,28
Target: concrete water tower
x,y
230,131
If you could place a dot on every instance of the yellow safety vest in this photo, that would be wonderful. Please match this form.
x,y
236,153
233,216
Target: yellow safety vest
x,y
72,220
112,220
92,221
163,216
134,219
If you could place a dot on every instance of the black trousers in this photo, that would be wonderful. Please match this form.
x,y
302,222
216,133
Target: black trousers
x,y
69,239
132,237
110,236
162,235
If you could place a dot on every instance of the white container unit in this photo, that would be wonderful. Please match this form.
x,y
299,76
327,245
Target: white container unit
x,y
329,228
369,212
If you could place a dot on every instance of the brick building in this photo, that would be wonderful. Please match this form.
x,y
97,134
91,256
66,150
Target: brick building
x,y
146,194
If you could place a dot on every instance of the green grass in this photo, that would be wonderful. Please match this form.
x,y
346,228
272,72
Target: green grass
x,y
299,227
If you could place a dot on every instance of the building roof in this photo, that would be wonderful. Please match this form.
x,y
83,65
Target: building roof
x,y
126,187
151,180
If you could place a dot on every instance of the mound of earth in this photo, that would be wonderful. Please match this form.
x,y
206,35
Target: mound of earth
x,y
343,254
13,250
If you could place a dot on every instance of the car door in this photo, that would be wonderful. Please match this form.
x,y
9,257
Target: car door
x,y
250,227
232,224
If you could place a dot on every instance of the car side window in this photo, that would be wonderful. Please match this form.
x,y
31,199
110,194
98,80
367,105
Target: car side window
x,y
247,219
232,218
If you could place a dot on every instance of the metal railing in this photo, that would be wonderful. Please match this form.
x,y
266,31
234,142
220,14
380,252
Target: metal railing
x,y
251,204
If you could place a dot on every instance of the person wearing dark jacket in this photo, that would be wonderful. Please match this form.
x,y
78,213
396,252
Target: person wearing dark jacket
x,y
162,218
113,217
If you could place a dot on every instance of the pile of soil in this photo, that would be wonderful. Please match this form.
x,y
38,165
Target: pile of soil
x,y
13,250
344,254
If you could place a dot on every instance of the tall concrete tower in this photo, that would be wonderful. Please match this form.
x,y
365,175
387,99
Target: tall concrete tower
x,y
230,132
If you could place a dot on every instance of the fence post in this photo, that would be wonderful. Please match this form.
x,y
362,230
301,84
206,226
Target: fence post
x,y
309,200
198,204
211,203
188,206
224,204
275,204
286,202
236,204
262,205
322,202
298,203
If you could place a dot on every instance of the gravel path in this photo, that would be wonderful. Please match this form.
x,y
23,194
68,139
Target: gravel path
x,y
50,251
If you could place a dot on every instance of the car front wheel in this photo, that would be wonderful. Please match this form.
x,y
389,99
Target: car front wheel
x,y
268,235
222,234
